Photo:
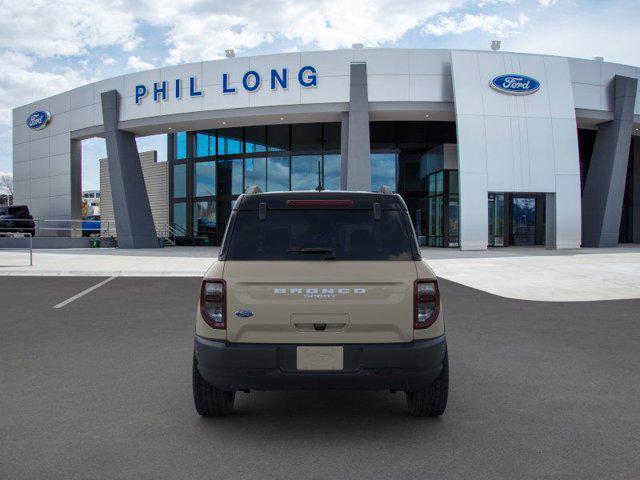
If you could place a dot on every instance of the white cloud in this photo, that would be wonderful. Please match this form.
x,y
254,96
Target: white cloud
x,y
324,24
491,24
46,29
17,85
589,37
547,3
109,60
136,63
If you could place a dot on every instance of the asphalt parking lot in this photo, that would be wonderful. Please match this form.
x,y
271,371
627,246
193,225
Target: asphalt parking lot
x,y
101,388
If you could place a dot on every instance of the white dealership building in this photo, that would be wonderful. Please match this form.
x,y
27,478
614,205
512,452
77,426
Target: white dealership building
x,y
487,148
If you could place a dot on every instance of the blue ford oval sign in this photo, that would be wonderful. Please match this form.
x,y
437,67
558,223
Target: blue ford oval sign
x,y
515,84
38,119
244,313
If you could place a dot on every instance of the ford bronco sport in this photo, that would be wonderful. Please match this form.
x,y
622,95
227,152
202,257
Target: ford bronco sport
x,y
320,290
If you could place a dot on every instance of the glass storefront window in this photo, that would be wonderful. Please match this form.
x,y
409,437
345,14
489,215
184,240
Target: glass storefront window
x,y
205,144
383,171
230,177
332,135
304,171
204,179
435,221
229,141
255,139
180,180
278,137
204,218
332,172
210,168
306,137
255,173
180,218
180,145
496,220
277,174
383,135
453,182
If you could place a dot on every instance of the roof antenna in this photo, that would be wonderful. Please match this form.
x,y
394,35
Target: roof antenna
x,y
320,186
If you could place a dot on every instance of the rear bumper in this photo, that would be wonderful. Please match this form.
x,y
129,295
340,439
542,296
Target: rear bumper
x,y
396,366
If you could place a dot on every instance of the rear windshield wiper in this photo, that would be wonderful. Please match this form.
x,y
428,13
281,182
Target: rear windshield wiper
x,y
330,253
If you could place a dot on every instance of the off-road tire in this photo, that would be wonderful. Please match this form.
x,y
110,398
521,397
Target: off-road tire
x,y
431,401
209,401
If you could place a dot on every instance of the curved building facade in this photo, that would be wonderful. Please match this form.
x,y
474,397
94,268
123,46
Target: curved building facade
x,y
487,148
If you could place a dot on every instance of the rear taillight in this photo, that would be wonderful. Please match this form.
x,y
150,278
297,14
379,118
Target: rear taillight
x,y
426,303
212,303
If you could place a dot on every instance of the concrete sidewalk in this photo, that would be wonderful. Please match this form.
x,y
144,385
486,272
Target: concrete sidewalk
x,y
100,262
520,273
545,275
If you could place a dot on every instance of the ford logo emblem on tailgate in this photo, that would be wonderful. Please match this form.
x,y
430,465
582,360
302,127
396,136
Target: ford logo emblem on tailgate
x,y
244,313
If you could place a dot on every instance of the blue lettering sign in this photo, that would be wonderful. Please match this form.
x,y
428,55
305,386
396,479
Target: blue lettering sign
x,y
192,88
251,80
157,91
225,84
141,92
515,84
251,86
275,77
310,80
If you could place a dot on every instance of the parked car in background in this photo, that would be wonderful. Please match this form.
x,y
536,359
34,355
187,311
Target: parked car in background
x,y
91,225
17,219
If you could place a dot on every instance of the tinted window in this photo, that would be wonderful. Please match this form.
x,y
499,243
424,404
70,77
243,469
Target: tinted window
x,y
383,171
181,145
255,172
180,180
332,136
205,144
180,218
230,176
277,174
229,141
255,139
204,179
306,137
350,234
278,137
204,218
332,172
304,171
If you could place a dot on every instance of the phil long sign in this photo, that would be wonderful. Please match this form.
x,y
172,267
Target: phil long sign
x,y
251,81
515,84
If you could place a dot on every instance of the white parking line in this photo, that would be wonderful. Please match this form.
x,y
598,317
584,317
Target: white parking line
x,y
84,292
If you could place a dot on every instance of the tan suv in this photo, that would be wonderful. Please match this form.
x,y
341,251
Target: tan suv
x,y
320,290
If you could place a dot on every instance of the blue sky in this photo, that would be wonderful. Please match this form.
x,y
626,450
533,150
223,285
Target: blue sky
x,y
50,47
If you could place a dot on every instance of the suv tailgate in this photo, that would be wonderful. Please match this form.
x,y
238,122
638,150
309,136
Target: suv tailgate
x,y
320,301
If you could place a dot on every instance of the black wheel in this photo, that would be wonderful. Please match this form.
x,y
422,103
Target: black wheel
x,y
431,401
209,401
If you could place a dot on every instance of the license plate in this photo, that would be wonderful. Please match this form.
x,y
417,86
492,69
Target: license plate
x,y
320,358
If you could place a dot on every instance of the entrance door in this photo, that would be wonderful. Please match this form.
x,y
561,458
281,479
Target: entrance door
x,y
496,220
523,220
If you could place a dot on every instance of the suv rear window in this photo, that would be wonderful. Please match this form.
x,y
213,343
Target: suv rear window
x,y
320,234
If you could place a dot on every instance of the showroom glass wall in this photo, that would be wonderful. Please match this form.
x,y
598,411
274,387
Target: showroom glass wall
x,y
210,169
407,156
